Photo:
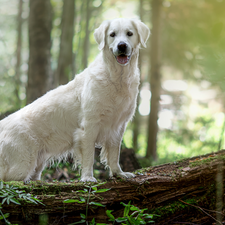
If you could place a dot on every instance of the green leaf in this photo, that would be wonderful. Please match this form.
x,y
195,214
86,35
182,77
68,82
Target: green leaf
x,y
3,201
32,200
102,190
149,216
72,201
134,208
5,215
4,195
121,219
135,222
123,204
92,222
94,188
81,221
109,214
127,209
82,216
82,199
99,184
96,203
135,213
38,201
13,200
83,191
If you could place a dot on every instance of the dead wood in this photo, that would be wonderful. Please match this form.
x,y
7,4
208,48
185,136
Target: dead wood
x,y
179,192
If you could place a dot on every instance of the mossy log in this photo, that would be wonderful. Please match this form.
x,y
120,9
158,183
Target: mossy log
x,y
179,192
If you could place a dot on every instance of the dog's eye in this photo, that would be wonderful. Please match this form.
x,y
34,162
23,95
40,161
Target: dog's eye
x,y
112,34
129,33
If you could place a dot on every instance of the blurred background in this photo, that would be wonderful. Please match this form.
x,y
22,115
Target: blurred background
x,y
180,111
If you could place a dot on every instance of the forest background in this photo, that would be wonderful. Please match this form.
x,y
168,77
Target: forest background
x,y
180,110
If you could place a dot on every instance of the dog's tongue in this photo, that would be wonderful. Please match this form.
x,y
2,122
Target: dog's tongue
x,y
122,59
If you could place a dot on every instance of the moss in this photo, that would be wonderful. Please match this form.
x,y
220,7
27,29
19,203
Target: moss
x,y
41,188
207,161
143,170
206,200
169,209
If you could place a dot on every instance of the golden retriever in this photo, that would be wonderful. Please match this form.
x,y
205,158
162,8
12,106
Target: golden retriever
x,y
92,109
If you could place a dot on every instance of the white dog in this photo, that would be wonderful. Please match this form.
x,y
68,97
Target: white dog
x,y
93,109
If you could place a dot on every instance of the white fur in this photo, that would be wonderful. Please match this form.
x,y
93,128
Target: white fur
x,y
93,109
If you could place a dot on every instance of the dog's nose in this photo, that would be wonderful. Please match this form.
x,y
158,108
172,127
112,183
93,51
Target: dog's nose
x,y
122,46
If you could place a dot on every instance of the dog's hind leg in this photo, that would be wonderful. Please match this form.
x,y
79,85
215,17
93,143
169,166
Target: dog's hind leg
x,y
21,161
40,165
38,170
2,169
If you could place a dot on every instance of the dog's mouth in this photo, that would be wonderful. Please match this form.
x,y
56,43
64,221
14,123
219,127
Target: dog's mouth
x,y
122,59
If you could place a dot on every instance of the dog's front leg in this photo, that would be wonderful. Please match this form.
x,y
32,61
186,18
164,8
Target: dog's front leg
x,y
113,148
113,163
88,151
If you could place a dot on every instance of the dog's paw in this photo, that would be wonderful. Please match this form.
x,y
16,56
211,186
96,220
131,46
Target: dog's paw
x,y
125,175
88,179
26,181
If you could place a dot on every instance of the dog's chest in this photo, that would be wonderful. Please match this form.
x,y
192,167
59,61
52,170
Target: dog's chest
x,y
120,100
123,98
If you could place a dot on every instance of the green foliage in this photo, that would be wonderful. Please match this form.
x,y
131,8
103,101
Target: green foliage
x,y
12,194
89,190
132,215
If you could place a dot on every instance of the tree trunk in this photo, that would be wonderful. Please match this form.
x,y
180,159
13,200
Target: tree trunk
x,y
39,72
155,79
18,53
87,33
183,192
136,120
65,70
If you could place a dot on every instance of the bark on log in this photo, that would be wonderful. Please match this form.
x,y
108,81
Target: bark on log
x,y
181,192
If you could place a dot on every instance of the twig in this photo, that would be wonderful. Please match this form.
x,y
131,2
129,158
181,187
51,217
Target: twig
x,y
201,210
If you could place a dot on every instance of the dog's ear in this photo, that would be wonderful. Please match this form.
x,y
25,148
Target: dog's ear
x,y
100,33
143,32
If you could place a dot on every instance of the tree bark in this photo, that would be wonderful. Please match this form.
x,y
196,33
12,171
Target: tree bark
x,y
39,71
155,79
18,52
136,120
182,192
65,70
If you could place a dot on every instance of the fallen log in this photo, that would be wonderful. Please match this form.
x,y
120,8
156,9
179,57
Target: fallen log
x,y
189,191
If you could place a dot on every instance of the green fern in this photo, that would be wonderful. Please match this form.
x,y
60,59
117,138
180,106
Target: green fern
x,y
12,194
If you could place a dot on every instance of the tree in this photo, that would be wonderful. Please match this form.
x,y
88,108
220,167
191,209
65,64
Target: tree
x,y
65,68
18,52
86,43
155,79
39,71
136,120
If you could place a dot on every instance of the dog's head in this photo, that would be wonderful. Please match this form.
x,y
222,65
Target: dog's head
x,y
121,37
